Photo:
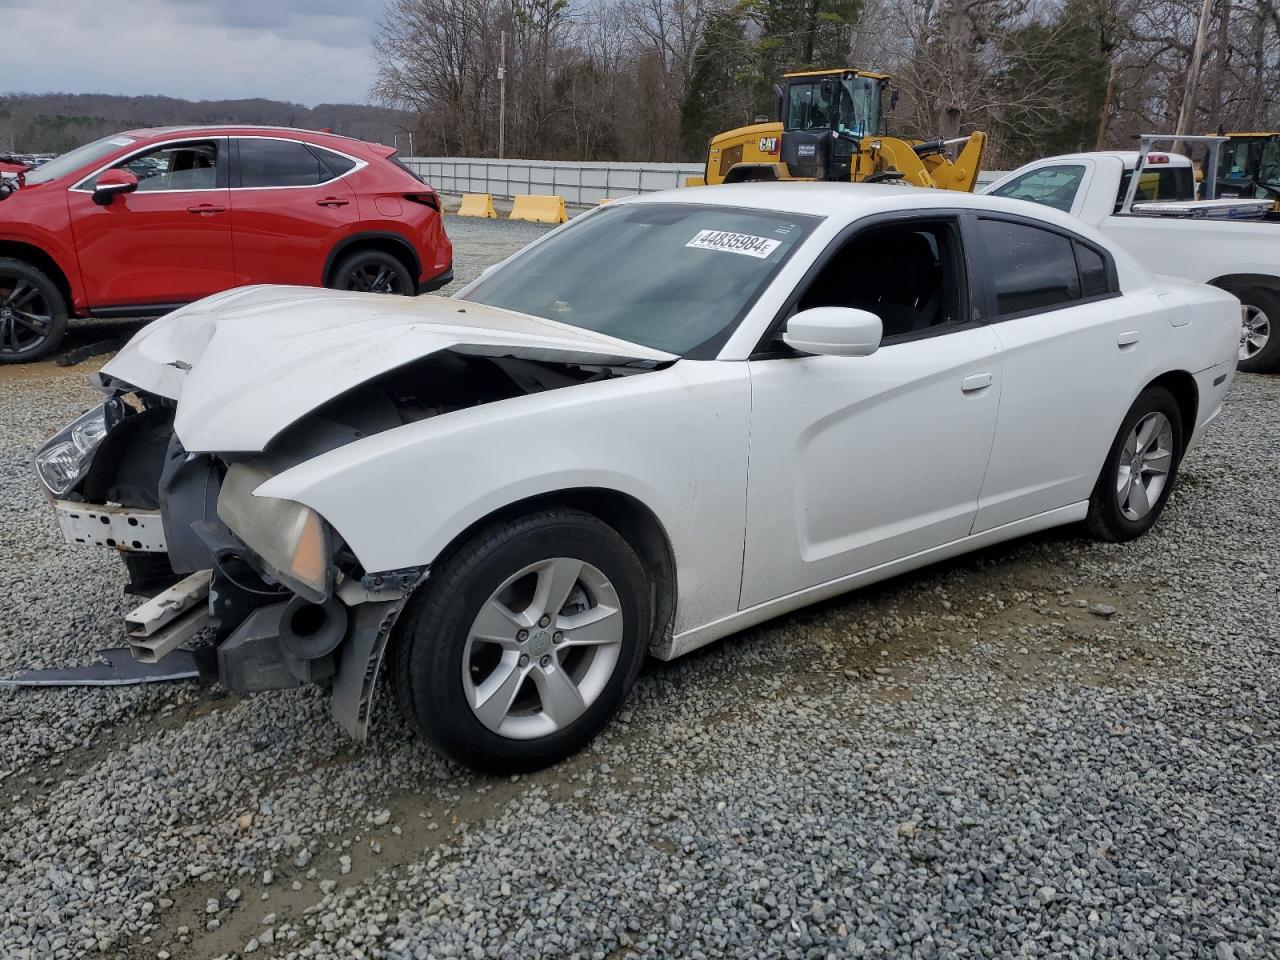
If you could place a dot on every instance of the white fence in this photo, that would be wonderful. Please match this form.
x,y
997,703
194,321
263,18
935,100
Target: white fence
x,y
583,184
579,183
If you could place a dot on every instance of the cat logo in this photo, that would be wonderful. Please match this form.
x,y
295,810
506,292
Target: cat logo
x,y
768,144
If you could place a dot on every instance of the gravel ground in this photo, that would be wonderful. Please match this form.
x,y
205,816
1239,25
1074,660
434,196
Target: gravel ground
x,y
1050,748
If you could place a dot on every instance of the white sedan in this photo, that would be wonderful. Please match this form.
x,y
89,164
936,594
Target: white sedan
x,y
674,417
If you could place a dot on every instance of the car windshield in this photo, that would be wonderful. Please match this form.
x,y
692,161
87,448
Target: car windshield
x,y
676,277
77,158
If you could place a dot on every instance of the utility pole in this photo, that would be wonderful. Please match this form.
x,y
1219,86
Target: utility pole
x,y
1187,115
502,94
411,153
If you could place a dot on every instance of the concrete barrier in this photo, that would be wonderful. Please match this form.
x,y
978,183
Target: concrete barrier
x,y
539,209
477,205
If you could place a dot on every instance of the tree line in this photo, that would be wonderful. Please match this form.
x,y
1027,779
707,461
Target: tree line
x,y
654,79
57,122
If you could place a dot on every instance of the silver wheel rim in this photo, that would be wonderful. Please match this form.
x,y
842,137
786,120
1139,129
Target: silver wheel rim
x,y
542,648
1145,463
1255,331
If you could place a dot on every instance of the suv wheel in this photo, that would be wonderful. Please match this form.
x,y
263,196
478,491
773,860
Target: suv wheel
x,y
33,313
523,644
1140,469
372,271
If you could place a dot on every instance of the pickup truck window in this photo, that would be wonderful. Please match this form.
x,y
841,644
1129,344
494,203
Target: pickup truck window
x,y
1174,183
1054,186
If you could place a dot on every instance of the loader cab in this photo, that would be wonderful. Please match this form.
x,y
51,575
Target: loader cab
x,y
1249,166
823,113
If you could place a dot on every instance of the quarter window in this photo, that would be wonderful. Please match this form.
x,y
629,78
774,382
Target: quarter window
x,y
280,163
1093,272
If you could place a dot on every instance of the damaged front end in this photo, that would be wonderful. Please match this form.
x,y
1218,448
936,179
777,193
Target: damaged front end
x,y
265,591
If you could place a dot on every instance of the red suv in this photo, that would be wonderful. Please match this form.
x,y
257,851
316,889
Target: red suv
x,y
142,222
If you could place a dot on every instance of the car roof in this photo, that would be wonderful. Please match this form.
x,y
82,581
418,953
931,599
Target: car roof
x,y
231,129
848,201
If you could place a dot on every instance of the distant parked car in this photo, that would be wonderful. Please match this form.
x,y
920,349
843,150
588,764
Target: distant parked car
x,y
143,222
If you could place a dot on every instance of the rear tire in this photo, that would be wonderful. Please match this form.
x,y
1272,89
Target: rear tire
x,y
33,313
499,694
1259,330
372,271
1140,469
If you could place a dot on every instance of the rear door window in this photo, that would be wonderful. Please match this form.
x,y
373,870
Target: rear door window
x,y
279,163
1031,269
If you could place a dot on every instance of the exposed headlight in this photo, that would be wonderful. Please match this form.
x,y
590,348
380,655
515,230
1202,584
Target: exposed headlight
x,y
290,538
64,460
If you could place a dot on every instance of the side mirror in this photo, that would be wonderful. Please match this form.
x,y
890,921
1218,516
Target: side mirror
x,y
111,183
834,332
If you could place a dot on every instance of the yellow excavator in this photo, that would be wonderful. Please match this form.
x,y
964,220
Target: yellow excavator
x,y
828,128
1249,166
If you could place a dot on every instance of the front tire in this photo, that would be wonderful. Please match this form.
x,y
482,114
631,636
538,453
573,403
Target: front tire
x,y
524,642
1138,474
1259,330
33,313
372,271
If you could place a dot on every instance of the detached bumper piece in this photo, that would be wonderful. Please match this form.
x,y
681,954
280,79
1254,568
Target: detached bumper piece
x,y
169,619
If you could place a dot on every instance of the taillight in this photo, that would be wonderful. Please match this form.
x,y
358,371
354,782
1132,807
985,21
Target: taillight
x,y
1157,158
431,199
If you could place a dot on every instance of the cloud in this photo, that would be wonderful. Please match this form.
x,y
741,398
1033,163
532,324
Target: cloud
x,y
306,51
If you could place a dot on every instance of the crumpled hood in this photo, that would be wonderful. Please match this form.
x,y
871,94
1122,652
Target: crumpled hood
x,y
245,364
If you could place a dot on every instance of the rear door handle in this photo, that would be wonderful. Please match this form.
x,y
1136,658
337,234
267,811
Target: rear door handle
x,y
332,202
976,382
205,208
1128,339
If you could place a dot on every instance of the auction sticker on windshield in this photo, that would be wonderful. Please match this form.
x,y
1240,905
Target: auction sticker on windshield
x,y
743,243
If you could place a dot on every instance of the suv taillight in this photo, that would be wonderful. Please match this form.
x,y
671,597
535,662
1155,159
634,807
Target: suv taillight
x,y
431,199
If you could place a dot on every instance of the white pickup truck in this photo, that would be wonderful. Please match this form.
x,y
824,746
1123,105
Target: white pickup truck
x,y
1169,231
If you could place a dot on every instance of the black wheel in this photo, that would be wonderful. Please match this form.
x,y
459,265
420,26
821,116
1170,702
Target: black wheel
x,y
524,642
1140,469
372,271
33,313
1259,318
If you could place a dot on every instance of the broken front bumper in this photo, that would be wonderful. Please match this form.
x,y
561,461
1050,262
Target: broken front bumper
x,y
104,525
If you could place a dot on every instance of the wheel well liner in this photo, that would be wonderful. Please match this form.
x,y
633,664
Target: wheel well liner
x,y
29,253
1183,387
391,243
1241,281
633,521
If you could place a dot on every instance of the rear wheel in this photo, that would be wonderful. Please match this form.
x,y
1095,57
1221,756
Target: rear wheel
x,y
33,313
1259,320
1140,469
524,643
372,271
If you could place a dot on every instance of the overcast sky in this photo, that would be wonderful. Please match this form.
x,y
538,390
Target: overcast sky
x,y
306,51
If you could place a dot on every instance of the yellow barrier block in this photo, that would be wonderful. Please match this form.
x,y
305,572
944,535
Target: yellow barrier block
x,y
477,205
539,209
695,181
601,203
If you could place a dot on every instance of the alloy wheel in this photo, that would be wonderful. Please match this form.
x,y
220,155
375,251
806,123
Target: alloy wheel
x,y
542,648
1255,331
1144,467
374,278
26,317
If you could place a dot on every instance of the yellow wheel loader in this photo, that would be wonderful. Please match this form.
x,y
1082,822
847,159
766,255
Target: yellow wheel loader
x,y
1249,166
828,128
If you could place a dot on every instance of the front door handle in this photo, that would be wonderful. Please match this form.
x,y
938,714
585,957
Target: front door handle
x,y
332,202
1128,339
205,208
976,382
